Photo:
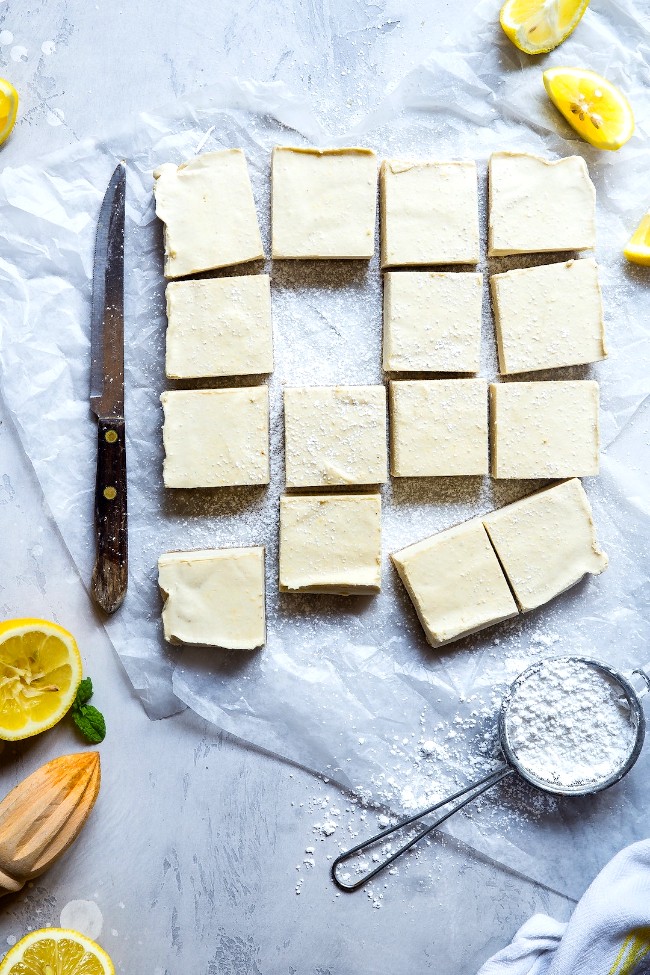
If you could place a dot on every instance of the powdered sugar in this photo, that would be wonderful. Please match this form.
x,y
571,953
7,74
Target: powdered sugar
x,y
569,724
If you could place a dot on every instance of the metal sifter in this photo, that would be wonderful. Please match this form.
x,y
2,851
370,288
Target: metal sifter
x,y
629,700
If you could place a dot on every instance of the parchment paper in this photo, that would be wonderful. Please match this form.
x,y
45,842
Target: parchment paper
x,y
346,687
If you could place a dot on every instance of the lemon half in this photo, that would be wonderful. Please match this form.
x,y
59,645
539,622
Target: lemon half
x,y
596,109
538,26
40,671
637,249
8,108
56,951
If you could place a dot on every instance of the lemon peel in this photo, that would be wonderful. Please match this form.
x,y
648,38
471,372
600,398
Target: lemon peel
x,y
598,111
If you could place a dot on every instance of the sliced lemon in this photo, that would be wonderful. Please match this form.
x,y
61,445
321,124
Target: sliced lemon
x,y
596,109
56,951
637,249
538,26
40,671
8,108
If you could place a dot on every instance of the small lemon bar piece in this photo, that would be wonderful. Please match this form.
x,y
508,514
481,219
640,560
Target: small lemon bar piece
x,y
546,542
335,435
216,437
439,427
214,598
544,429
324,203
219,327
330,544
455,582
539,205
549,316
429,213
432,321
207,207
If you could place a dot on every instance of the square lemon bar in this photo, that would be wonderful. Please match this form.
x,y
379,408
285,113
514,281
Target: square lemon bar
x,y
539,205
546,542
335,435
216,437
544,429
219,327
455,582
432,321
207,207
549,316
214,598
330,544
429,213
439,427
323,203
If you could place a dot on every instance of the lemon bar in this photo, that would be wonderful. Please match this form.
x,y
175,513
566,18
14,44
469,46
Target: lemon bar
x,y
219,327
207,207
335,435
432,321
455,582
544,429
214,598
330,544
324,203
546,543
429,213
549,316
439,427
216,437
539,205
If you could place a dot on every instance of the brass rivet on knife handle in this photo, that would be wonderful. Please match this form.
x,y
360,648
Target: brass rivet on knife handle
x,y
109,579
43,815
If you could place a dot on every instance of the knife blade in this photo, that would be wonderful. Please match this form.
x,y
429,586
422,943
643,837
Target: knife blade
x,y
110,574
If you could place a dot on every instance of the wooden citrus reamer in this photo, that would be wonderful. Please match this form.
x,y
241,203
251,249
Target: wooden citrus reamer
x,y
43,815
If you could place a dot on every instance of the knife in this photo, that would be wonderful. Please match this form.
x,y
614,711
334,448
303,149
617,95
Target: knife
x,y
109,579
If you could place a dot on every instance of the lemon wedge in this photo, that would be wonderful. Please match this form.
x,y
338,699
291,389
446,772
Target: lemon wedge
x,y
8,108
637,249
596,109
40,671
56,951
538,26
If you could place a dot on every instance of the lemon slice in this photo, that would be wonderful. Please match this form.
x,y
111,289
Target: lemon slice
x,y
8,108
596,109
637,249
538,26
56,951
40,671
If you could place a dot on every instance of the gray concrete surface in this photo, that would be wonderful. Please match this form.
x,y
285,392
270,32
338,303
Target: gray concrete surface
x,y
191,853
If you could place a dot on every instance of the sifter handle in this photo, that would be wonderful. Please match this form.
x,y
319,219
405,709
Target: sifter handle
x,y
644,674
476,789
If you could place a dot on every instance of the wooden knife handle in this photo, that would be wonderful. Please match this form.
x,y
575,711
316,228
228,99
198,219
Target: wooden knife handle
x,y
111,568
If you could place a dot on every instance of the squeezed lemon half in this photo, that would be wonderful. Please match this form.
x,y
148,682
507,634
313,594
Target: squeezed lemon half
x,y
597,109
40,671
538,26
8,108
56,951
637,249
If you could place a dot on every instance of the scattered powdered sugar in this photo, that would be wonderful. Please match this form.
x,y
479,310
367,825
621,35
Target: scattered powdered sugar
x,y
568,723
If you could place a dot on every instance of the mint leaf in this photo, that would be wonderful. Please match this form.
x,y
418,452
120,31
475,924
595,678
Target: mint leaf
x,y
84,693
90,723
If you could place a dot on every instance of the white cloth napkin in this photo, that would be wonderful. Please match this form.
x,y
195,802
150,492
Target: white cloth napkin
x,y
608,934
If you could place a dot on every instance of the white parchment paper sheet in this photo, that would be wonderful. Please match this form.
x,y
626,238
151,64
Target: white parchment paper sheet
x,y
346,687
